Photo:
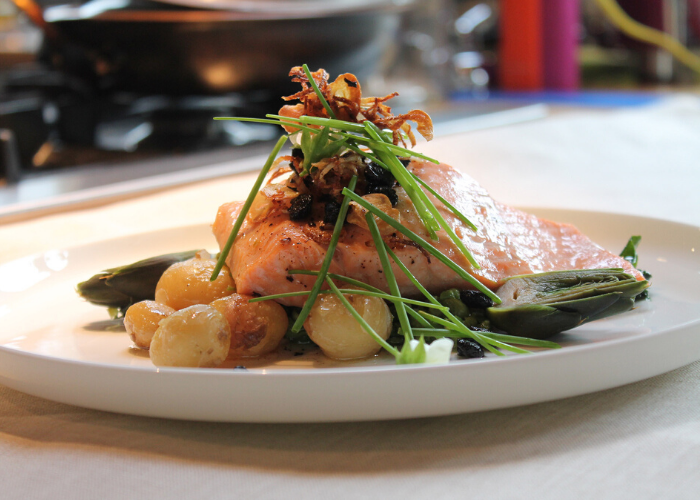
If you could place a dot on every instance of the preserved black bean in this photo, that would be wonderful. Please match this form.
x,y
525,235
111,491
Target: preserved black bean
x,y
474,298
378,176
331,212
385,190
468,348
300,207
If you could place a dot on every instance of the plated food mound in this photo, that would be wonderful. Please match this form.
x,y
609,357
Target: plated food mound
x,y
354,244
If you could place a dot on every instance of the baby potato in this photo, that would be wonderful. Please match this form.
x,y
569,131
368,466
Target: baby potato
x,y
256,328
332,327
141,321
187,283
197,336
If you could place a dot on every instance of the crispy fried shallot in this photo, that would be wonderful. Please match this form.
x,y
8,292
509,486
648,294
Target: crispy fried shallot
x,y
344,97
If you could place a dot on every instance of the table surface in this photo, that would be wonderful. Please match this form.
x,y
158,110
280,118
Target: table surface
x,y
637,441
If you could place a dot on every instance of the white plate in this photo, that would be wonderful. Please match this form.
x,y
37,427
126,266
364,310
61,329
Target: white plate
x,y
53,345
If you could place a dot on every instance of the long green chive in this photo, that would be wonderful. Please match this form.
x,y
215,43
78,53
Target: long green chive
x,y
352,291
397,150
366,154
432,299
339,125
360,319
312,147
394,149
455,324
426,246
282,120
436,213
452,209
425,208
419,318
340,277
312,82
327,259
245,119
405,180
521,340
246,206
442,332
389,275
450,232
344,128
460,327
333,123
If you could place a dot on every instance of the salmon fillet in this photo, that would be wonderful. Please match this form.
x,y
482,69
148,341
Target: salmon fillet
x,y
508,242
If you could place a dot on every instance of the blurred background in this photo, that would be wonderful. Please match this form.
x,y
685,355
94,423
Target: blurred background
x,y
104,91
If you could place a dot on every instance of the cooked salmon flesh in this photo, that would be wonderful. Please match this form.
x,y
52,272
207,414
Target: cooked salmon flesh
x,y
507,242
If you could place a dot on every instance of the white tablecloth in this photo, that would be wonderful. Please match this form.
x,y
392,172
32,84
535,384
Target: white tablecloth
x,y
638,441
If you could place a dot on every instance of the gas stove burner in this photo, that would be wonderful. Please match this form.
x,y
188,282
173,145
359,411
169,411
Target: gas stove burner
x,y
50,121
178,124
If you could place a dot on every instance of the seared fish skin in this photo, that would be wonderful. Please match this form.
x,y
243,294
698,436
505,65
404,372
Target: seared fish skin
x,y
508,242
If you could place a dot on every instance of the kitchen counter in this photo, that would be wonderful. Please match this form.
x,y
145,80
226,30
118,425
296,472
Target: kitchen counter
x,y
636,441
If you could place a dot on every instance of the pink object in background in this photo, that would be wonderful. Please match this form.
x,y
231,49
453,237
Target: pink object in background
x,y
560,25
